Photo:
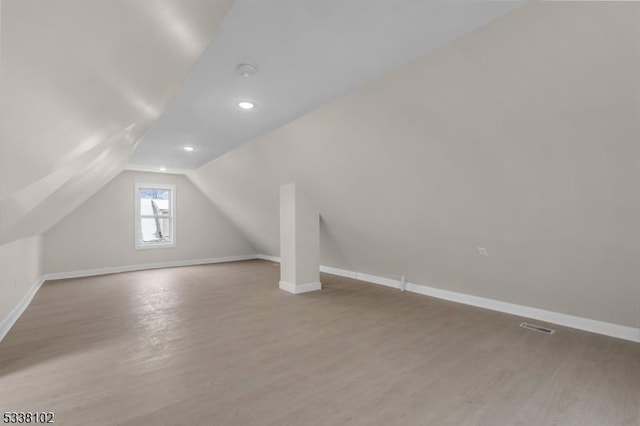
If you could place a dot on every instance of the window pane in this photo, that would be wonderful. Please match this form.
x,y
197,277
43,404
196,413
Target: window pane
x,y
156,230
155,216
155,201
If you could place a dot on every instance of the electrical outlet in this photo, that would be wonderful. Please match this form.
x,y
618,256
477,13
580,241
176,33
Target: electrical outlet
x,y
482,251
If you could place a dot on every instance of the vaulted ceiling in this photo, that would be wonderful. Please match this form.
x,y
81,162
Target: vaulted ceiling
x,y
81,82
306,52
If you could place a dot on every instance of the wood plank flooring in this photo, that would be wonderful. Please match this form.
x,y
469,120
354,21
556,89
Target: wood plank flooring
x,y
222,345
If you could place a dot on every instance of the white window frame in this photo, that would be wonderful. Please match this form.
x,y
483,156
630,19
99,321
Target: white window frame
x,y
139,244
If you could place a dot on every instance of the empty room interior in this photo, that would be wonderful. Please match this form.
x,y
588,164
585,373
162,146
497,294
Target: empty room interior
x,y
320,212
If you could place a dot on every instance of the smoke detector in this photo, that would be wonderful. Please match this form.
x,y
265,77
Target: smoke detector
x,y
246,70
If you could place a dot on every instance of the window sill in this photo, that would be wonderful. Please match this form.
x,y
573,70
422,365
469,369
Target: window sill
x,y
154,246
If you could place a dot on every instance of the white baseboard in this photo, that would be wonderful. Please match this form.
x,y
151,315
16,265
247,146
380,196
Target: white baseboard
x,y
337,271
13,316
300,288
144,266
572,321
15,313
586,324
267,257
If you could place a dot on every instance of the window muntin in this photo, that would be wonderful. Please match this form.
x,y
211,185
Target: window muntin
x,y
155,215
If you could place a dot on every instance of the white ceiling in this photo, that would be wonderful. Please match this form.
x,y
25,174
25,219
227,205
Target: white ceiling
x,y
308,52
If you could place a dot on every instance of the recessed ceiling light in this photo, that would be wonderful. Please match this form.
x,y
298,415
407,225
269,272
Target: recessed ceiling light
x,y
163,169
246,70
246,105
188,148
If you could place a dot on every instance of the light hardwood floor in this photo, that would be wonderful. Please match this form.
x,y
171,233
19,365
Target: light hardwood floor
x,y
222,345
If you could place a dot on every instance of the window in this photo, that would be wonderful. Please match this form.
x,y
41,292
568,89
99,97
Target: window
x,y
155,215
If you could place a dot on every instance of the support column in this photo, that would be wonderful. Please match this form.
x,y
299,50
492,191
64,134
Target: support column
x,y
299,241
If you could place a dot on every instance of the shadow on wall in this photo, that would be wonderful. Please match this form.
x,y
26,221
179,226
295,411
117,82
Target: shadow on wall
x,y
331,252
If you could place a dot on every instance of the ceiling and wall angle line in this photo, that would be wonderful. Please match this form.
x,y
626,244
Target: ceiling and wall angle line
x,y
424,130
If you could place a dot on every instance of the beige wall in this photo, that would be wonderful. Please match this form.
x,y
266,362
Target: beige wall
x,y
20,268
522,137
100,233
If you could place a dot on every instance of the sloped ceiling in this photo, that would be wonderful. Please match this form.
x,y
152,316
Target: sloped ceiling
x,y
521,137
81,81
307,53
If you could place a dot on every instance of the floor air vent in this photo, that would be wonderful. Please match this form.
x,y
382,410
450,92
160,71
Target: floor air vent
x,y
539,328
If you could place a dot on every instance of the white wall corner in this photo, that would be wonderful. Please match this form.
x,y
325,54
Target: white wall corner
x,y
17,311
